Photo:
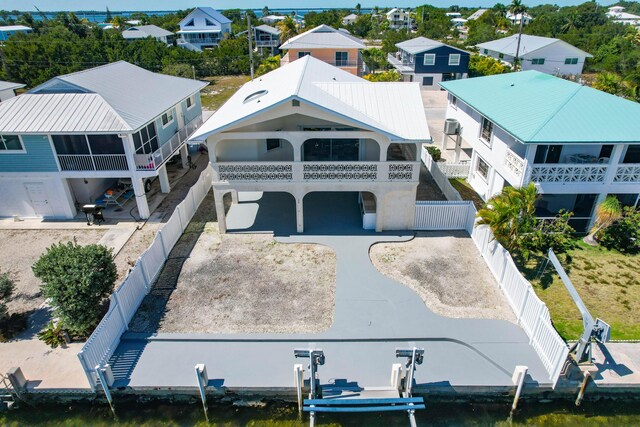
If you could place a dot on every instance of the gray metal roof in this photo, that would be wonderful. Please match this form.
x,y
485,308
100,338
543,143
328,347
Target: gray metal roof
x,y
10,85
268,29
115,97
421,44
323,36
528,45
142,31
208,11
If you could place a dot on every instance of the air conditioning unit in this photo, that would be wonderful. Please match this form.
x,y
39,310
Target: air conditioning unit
x,y
451,126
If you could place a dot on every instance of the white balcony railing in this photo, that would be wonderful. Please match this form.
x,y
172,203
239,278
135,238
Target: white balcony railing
x,y
96,162
567,173
154,160
317,171
268,43
627,173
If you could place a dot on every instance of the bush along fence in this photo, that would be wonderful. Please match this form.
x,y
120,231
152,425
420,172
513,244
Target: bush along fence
x,y
127,298
533,315
441,173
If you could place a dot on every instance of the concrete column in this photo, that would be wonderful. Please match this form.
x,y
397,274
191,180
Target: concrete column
x,y
614,162
296,143
222,219
299,214
211,148
384,147
234,196
165,187
379,211
184,154
141,197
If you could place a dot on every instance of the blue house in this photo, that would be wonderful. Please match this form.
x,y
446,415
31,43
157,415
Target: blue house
x,y
72,139
9,30
429,62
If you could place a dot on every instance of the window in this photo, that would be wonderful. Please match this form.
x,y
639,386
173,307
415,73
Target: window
x,y
454,59
87,144
303,54
10,143
632,155
571,61
342,59
167,118
501,55
429,59
273,143
427,81
549,154
482,168
295,103
209,23
145,141
537,61
70,144
485,51
105,144
191,101
189,24
454,102
487,130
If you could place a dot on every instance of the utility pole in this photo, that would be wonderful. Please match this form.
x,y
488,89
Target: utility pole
x,y
5,67
250,46
515,60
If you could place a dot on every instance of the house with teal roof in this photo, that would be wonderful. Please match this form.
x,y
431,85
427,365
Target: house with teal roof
x,y
575,143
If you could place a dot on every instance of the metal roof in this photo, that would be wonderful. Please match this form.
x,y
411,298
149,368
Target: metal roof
x,y
142,31
211,12
268,29
421,44
528,45
14,28
10,85
539,108
323,36
477,14
395,109
112,98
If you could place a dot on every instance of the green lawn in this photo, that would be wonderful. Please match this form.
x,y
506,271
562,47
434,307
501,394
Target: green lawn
x,y
466,192
608,283
220,89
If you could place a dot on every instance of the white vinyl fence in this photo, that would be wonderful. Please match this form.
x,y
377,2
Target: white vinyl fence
x,y
454,170
127,298
443,215
533,315
441,173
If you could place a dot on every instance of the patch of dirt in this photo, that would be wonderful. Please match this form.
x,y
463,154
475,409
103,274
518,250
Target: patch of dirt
x,y
446,270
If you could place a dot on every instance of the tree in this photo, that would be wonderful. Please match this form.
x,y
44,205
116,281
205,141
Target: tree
x,y
268,65
374,58
486,66
109,16
608,82
358,8
76,279
607,213
517,8
178,70
266,11
623,234
385,76
7,287
288,28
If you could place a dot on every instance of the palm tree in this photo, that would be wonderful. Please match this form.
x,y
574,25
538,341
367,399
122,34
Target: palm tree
x,y
608,82
266,11
500,9
572,22
607,212
510,215
287,28
358,8
517,8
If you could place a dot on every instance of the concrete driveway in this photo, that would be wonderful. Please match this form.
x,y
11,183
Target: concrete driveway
x,y
435,108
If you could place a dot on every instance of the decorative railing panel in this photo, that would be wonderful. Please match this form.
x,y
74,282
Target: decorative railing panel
x,y
627,173
340,171
568,173
255,172
513,163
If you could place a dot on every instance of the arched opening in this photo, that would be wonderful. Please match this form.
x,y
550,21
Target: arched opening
x,y
340,150
254,150
402,152
263,212
332,212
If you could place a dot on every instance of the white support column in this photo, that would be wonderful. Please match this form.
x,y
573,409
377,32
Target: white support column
x,y
299,214
184,154
529,158
234,197
296,143
141,197
165,187
601,197
222,219
379,211
614,161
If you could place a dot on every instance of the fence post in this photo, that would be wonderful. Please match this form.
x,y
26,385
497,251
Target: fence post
x,y
524,304
504,267
145,278
119,307
86,370
182,227
164,250
193,200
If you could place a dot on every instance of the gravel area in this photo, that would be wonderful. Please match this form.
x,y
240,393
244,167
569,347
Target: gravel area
x,y
446,270
239,283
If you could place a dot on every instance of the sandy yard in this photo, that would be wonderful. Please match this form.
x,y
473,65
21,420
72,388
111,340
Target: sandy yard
x,y
239,283
446,270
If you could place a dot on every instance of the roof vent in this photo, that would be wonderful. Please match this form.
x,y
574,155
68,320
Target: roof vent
x,y
255,95
295,103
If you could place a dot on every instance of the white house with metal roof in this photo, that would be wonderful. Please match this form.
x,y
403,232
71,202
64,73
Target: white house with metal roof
x,y
575,143
618,15
350,19
8,89
309,127
7,31
203,28
398,19
145,31
267,39
544,54
68,141
335,47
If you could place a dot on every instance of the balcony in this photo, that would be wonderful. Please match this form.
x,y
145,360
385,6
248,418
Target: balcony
x,y
399,64
268,43
280,172
629,172
336,63
146,162
95,162
569,173
213,40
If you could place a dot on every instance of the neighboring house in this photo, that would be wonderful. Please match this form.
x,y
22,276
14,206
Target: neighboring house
x,y
267,39
429,62
9,30
349,19
515,19
335,47
544,54
203,28
575,143
617,14
65,142
8,89
144,31
458,22
272,19
311,127
398,19
477,14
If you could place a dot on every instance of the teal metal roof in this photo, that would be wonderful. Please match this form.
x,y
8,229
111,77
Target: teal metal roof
x,y
539,108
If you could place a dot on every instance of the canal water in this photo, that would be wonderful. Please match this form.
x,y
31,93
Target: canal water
x,y
602,413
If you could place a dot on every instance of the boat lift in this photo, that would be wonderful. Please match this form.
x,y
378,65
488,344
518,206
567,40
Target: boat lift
x,y
365,400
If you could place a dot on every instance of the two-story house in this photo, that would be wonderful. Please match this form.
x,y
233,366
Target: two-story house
x,y
619,16
398,19
429,62
145,31
575,143
544,54
67,141
267,39
335,47
8,89
7,31
308,128
203,28
515,18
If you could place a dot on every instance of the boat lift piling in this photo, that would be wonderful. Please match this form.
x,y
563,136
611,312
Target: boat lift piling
x,y
106,380
414,356
203,380
316,357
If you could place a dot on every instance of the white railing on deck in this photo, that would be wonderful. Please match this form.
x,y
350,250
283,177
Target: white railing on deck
x,y
532,314
95,162
627,173
441,179
127,298
157,158
568,173
454,170
444,215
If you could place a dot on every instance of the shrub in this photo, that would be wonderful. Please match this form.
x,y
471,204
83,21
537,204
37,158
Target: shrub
x,y
52,335
486,66
555,234
76,279
435,153
385,76
624,233
269,64
6,290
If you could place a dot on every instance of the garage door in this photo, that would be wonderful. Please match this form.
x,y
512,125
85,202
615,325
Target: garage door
x,y
39,199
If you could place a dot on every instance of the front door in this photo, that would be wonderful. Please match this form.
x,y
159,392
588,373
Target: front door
x,y
39,199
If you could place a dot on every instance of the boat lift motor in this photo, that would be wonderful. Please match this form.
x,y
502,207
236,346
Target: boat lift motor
x,y
414,356
594,330
316,358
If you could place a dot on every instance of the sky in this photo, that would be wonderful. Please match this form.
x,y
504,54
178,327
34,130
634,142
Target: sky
x,y
71,5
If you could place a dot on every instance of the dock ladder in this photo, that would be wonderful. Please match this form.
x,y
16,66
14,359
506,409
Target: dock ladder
x,y
8,394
